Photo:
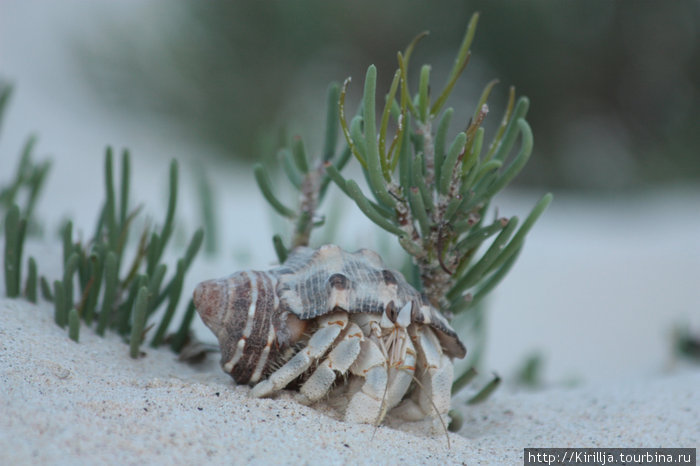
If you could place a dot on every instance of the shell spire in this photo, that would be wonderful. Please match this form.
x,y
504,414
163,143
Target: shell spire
x,y
242,311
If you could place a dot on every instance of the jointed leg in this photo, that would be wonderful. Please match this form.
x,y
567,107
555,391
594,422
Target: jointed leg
x,y
330,327
400,377
433,393
337,362
367,403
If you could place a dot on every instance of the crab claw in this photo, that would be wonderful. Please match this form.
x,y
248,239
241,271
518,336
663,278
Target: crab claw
x,y
404,318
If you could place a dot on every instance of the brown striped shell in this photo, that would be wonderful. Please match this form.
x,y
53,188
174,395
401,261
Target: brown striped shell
x,y
259,316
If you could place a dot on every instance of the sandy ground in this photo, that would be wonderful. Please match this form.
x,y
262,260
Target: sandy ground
x,y
89,403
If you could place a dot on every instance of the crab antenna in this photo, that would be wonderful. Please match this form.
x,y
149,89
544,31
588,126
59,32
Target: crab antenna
x,y
382,411
444,427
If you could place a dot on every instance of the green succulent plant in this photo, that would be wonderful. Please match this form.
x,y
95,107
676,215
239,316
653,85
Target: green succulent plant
x,y
432,191
112,292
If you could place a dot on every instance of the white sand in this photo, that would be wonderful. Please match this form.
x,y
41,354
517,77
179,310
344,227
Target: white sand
x,y
89,403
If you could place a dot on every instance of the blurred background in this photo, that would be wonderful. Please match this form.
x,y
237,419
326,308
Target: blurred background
x,y
608,273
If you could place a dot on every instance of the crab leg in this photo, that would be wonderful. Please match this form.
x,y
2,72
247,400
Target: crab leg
x,y
434,391
438,374
338,362
401,376
366,405
330,327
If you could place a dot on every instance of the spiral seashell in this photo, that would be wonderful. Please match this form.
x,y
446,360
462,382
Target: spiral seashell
x,y
259,317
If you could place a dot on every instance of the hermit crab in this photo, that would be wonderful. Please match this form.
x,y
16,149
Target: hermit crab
x,y
328,318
